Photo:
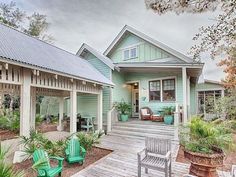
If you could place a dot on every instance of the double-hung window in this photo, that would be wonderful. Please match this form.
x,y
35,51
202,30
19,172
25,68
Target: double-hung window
x,y
162,90
130,53
155,90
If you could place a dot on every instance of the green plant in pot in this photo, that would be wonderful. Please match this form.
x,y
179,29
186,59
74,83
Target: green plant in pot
x,y
124,109
204,145
168,113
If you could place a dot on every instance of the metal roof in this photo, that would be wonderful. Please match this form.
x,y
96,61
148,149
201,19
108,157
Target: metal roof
x,y
127,29
99,55
22,48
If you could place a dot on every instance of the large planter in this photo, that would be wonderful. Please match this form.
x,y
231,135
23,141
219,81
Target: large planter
x,y
124,117
204,165
168,119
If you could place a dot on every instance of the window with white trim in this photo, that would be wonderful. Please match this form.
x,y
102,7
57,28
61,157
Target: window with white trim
x,y
130,53
162,90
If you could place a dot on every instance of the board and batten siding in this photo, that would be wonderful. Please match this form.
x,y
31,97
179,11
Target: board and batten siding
x,y
145,50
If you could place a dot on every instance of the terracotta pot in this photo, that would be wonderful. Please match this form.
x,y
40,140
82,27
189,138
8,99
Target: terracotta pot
x,y
204,165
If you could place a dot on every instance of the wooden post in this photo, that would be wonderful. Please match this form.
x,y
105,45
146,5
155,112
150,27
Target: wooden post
x,y
188,96
73,109
33,107
99,111
25,104
176,122
61,112
185,109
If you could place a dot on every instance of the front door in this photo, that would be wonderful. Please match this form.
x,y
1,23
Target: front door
x,y
135,103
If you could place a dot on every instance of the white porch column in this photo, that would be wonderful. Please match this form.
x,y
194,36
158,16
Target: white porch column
x,y
188,96
99,111
25,104
61,112
73,109
176,122
185,108
33,107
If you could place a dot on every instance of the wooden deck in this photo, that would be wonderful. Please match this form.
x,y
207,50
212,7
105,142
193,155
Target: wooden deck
x,y
122,162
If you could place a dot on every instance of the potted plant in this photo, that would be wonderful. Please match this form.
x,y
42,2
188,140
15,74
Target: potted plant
x,y
204,144
124,109
168,113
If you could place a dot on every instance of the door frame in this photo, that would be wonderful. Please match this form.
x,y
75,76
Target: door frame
x,y
132,96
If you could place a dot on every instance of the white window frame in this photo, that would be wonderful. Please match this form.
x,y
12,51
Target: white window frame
x,y
161,79
129,49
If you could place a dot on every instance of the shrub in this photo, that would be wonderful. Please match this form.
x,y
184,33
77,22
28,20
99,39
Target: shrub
x,y
87,140
6,170
201,136
37,140
10,120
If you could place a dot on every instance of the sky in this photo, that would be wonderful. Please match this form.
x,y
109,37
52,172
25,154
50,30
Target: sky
x,y
97,22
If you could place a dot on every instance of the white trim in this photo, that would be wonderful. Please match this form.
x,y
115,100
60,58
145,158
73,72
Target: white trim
x,y
129,49
130,46
161,91
101,57
210,89
18,63
148,39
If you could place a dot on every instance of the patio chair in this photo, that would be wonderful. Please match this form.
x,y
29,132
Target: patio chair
x,y
75,152
45,170
146,113
157,156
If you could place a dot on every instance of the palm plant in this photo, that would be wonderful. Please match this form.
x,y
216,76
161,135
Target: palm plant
x,y
6,170
204,137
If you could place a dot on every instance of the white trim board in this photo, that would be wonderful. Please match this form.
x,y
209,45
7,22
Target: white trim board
x,y
143,36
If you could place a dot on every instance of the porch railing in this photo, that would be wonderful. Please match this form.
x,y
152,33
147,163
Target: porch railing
x,y
111,118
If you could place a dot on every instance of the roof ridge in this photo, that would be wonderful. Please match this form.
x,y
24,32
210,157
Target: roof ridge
x,y
33,37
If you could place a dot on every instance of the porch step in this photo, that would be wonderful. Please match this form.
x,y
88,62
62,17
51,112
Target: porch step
x,y
144,129
138,135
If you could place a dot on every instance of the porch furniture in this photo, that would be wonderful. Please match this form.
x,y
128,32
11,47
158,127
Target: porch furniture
x,y
157,118
157,156
45,170
75,152
146,113
89,123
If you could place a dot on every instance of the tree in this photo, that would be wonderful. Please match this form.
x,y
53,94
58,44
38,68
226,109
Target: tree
x,y
219,38
35,25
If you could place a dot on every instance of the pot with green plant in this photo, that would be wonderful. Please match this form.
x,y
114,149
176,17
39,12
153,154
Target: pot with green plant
x,y
168,113
124,110
204,144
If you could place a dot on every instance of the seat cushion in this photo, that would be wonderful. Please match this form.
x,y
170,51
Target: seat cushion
x,y
153,161
75,159
144,112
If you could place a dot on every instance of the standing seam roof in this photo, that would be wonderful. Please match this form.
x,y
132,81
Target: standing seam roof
x,y
23,48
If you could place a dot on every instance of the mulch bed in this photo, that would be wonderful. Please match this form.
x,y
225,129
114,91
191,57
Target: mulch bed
x,y
68,169
229,160
7,134
46,127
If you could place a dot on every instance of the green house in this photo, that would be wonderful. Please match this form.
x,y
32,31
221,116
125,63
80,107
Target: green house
x,y
146,73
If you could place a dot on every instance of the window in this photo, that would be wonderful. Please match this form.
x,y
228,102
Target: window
x,y
130,53
162,90
168,90
154,91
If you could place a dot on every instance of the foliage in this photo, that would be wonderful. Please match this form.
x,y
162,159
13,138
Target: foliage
x,y
168,110
35,25
6,170
11,102
218,38
201,136
87,140
39,119
37,140
123,108
10,120
227,106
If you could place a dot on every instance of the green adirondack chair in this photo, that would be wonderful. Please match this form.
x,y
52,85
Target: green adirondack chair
x,y
44,169
75,152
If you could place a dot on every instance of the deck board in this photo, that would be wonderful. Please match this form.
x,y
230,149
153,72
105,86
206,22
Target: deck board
x,y
122,162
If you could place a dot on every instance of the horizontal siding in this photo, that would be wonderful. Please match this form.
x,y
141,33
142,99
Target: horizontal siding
x,y
50,106
193,101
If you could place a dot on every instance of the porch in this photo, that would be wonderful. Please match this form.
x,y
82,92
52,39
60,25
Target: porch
x,y
122,162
